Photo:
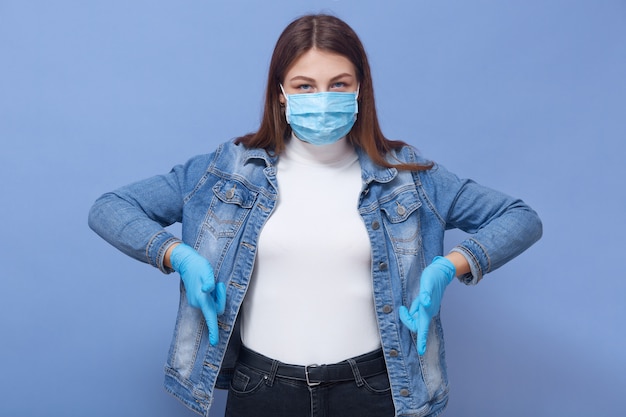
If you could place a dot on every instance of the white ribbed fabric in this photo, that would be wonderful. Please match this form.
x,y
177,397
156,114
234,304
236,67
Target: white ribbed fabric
x,y
311,296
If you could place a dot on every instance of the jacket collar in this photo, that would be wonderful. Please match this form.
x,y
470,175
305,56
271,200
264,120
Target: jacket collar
x,y
369,170
372,172
257,153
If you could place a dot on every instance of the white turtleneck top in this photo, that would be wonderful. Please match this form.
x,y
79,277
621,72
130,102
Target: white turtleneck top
x,y
310,299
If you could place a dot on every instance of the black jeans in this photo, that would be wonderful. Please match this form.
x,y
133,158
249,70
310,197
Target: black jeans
x,y
263,393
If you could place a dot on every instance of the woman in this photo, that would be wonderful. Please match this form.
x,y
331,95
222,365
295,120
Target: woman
x,y
304,243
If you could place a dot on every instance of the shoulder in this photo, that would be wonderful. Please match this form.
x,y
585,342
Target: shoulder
x,y
409,154
434,175
232,161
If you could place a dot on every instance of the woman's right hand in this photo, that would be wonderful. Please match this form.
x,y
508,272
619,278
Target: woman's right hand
x,y
199,280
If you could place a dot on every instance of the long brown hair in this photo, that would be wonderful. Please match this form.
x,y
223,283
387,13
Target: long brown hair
x,y
326,33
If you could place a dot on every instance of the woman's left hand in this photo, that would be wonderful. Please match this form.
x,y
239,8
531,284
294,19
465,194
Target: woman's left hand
x,y
433,282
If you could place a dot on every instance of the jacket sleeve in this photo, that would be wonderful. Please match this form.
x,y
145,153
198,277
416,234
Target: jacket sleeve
x,y
500,227
133,218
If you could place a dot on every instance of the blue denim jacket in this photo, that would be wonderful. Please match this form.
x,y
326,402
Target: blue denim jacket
x,y
223,199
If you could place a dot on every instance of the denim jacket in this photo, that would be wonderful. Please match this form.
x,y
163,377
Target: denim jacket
x,y
223,199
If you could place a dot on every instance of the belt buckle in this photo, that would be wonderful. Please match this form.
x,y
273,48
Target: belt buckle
x,y
308,379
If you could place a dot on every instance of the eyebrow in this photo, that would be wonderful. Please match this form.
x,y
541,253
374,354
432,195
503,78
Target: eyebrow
x,y
336,77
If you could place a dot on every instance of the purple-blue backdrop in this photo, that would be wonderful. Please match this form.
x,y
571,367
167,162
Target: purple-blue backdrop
x,y
524,96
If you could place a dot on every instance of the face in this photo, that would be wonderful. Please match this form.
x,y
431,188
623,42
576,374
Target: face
x,y
320,71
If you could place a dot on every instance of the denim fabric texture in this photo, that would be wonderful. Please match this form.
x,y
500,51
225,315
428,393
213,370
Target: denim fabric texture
x,y
224,198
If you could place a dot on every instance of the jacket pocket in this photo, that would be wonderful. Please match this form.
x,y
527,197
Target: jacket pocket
x,y
402,222
230,204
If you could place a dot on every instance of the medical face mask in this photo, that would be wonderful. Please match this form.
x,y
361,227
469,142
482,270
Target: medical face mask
x,y
321,118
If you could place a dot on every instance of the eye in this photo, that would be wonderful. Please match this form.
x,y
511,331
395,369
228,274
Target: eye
x,y
304,88
338,85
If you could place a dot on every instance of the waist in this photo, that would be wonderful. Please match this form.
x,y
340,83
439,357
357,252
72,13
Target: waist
x,y
365,365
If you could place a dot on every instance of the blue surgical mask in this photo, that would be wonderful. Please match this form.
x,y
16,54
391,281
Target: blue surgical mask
x,y
321,118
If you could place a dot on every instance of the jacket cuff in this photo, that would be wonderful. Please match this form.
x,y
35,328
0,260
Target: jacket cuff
x,y
157,247
477,258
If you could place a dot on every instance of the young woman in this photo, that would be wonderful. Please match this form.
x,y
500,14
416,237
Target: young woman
x,y
312,250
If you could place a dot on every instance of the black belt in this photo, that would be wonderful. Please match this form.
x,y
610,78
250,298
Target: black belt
x,y
369,364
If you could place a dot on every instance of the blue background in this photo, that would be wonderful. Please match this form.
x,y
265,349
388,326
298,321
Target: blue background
x,y
524,96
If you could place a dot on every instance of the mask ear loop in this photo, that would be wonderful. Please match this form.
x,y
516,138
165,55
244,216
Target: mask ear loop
x,y
356,99
286,103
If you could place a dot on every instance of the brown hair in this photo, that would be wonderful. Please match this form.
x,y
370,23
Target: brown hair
x,y
326,33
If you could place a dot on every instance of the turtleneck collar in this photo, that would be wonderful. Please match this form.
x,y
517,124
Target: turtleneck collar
x,y
334,154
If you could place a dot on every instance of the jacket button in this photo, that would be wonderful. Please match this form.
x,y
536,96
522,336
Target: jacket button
x,y
387,309
404,392
230,194
375,225
393,353
382,266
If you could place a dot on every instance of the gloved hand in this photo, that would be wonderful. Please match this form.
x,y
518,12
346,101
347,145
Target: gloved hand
x,y
197,275
435,278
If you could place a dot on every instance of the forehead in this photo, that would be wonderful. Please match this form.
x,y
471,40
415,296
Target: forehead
x,y
318,64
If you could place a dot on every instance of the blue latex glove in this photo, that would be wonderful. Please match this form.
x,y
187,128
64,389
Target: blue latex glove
x,y
197,275
435,278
